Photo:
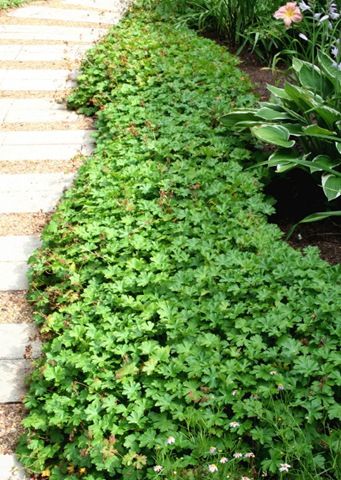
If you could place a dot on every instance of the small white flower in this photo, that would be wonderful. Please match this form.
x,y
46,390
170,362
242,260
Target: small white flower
x,y
317,16
234,393
213,450
237,455
333,13
158,468
234,424
249,455
335,52
224,460
273,372
245,478
280,387
324,18
284,467
212,468
170,440
303,6
304,37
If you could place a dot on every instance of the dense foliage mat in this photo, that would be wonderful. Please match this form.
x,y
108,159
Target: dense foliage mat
x,y
180,330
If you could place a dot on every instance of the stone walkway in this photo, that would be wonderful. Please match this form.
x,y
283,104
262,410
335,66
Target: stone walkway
x,y
41,146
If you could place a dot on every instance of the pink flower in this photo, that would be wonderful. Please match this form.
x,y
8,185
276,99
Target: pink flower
x,y
224,460
213,450
158,468
249,455
289,13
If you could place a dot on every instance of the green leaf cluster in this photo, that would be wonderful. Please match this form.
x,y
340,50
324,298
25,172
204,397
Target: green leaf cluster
x,y
168,304
303,119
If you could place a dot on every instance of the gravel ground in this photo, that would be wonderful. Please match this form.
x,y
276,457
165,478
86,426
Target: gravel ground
x,y
14,308
11,416
22,223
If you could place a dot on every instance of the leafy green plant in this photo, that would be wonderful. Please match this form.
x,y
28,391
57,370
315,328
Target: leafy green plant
x,y
303,121
319,30
175,318
228,19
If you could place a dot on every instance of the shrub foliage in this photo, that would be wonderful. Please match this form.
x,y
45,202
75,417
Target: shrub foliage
x,y
170,307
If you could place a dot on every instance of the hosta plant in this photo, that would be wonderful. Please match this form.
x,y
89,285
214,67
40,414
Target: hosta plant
x,y
302,121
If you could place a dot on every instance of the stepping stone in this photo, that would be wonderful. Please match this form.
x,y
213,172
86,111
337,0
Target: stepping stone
x,y
65,34
18,340
99,4
35,145
14,254
69,15
41,53
12,380
34,111
25,193
10,469
35,80
47,137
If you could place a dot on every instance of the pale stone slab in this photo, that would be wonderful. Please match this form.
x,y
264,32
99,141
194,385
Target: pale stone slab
x,y
17,248
34,111
23,193
43,32
47,137
10,469
69,15
99,4
13,276
41,53
14,253
18,340
15,153
12,380
35,80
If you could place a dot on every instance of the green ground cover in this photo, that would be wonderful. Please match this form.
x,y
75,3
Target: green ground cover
x,y
180,329
10,3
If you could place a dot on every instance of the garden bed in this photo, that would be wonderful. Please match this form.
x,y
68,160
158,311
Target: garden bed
x,y
183,336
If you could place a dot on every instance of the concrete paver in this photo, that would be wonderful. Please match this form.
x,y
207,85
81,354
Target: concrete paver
x,y
14,253
18,340
44,32
47,137
98,4
35,80
39,110
20,193
17,247
48,13
12,380
10,468
40,53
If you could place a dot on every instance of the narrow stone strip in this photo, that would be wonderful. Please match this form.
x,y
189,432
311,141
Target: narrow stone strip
x,y
19,341
10,469
13,374
50,33
45,53
33,80
14,252
29,193
47,13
